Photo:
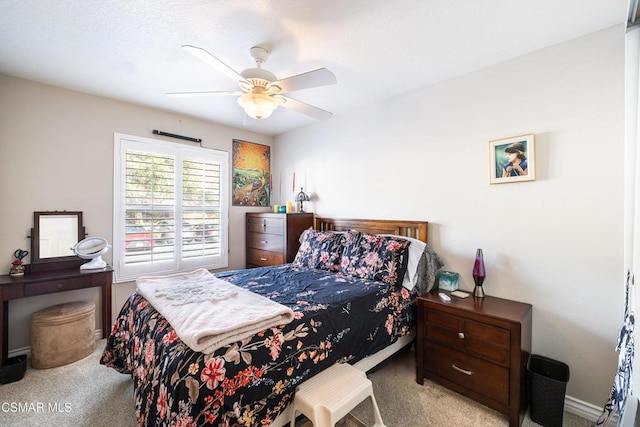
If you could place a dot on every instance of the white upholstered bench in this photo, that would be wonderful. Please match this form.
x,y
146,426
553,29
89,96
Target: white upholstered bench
x,y
330,395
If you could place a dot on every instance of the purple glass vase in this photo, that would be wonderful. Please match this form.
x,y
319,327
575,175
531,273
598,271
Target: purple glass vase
x,y
478,275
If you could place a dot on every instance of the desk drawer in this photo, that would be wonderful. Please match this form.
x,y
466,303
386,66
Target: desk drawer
x,y
265,242
41,288
264,258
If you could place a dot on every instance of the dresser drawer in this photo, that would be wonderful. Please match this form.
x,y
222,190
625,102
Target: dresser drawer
x,y
266,225
41,288
476,338
472,373
264,258
265,242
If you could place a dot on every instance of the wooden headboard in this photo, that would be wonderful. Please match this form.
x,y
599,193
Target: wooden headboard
x,y
415,229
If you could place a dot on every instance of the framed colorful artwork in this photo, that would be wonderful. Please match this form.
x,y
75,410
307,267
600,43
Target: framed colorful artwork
x,y
512,159
251,182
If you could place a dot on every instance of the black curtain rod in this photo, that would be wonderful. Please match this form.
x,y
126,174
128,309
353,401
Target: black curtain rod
x,y
173,135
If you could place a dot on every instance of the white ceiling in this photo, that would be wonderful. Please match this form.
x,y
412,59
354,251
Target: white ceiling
x,y
130,49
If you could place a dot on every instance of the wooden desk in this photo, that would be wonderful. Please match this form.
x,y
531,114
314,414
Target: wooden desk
x,y
43,283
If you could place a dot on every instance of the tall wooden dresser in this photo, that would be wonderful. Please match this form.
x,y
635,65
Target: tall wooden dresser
x,y
273,238
478,347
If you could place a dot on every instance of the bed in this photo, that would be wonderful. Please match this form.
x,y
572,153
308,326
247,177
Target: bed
x,y
337,317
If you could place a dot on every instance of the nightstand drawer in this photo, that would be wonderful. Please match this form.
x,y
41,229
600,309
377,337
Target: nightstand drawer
x,y
469,372
265,225
444,328
478,339
487,341
265,242
264,258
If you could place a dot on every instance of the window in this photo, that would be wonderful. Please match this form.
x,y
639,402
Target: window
x,y
170,207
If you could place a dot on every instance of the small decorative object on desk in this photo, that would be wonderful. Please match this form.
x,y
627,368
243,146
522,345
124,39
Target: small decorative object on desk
x,y
448,280
17,269
478,274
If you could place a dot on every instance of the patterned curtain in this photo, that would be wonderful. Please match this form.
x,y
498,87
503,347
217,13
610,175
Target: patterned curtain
x,y
622,383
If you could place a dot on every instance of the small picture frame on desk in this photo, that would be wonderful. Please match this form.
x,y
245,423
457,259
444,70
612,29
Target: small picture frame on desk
x,y
448,280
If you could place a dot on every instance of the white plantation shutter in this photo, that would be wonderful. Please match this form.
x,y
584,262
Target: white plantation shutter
x,y
201,208
170,207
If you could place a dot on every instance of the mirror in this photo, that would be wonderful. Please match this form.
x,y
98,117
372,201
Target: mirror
x,y
53,236
91,248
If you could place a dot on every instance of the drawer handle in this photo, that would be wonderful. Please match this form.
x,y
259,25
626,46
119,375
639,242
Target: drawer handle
x,y
263,259
461,335
264,224
264,242
60,285
464,371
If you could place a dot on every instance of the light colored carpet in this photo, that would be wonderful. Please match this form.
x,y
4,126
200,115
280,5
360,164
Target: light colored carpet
x,y
405,403
83,393
86,393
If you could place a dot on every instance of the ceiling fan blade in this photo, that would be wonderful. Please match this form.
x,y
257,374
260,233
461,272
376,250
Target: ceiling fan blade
x,y
315,78
205,93
214,62
309,110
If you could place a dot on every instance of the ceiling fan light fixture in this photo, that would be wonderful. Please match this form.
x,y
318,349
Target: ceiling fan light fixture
x,y
261,91
257,104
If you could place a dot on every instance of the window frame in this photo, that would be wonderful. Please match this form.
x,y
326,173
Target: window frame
x,y
124,142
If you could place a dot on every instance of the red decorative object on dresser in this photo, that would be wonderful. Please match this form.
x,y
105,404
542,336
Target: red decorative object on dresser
x,y
478,347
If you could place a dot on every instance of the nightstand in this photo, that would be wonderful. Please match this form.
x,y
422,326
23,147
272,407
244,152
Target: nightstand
x,y
478,347
273,238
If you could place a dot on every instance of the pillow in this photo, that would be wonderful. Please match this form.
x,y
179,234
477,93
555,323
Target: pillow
x,y
374,257
320,249
416,248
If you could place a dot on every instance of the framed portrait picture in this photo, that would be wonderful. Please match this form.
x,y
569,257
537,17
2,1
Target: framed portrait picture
x,y
251,184
512,159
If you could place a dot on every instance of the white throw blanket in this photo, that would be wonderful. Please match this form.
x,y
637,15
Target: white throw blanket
x,y
208,313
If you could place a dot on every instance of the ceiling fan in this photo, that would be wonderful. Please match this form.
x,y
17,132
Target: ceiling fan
x,y
260,91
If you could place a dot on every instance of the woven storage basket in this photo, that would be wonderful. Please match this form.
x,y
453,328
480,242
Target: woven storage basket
x,y
62,334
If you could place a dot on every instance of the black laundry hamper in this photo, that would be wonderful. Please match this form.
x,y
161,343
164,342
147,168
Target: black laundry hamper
x,y
548,380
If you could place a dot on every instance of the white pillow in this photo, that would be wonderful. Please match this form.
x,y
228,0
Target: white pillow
x,y
416,248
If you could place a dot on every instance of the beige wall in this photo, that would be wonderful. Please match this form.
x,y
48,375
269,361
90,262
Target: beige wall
x,y
555,242
57,154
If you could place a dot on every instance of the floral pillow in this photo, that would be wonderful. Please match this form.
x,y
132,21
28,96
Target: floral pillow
x,y
320,249
374,257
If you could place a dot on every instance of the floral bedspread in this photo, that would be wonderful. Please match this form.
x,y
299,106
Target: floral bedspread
x,y
338,318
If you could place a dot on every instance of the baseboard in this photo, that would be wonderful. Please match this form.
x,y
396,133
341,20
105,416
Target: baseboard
x,y
585,410
27,350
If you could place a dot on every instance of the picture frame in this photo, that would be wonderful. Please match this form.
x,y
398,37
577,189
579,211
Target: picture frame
x,y
506,157
251,182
